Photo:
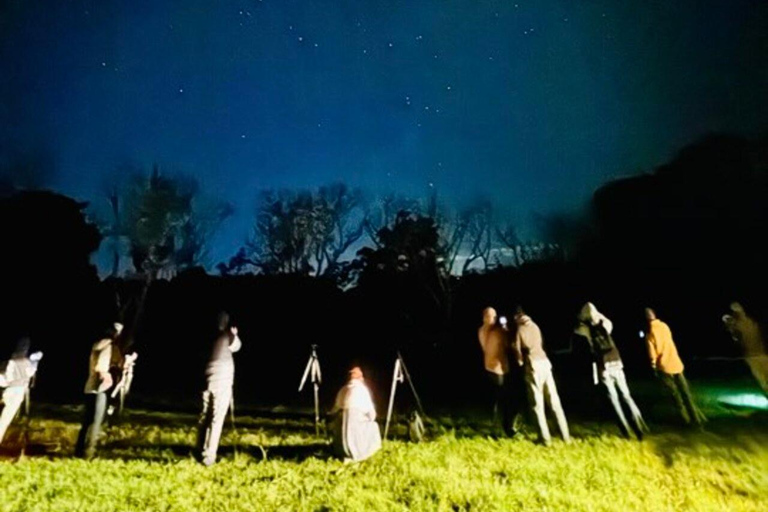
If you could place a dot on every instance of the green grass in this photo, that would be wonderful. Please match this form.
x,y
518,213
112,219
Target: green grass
x,y
145,464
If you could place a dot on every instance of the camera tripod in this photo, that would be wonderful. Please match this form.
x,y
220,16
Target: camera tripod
x,y
312,370
400,374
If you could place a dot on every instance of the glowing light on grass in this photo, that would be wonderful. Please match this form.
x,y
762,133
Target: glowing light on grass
x,y
751,400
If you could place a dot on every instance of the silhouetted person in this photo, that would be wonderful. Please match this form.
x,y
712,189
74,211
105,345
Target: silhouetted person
x,y
355,432
97,386
495,343
596,328
220,376
538,376
746,331
666,362
18,373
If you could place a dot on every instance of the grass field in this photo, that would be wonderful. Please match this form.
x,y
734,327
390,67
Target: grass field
x,y
278,464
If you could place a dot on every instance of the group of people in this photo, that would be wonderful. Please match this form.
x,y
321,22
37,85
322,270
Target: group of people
x,y
355,431
515,361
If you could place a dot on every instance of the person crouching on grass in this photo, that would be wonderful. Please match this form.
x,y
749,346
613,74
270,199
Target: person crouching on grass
x,y
667,365
355,432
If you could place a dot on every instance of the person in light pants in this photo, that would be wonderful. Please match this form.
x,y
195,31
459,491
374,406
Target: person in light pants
x,y
220,376
596,328
538,376
18,372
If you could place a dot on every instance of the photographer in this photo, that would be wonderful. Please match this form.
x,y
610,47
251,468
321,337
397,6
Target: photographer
x,y
97,386
220,376
16,378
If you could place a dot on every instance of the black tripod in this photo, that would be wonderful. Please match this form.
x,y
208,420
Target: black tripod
x,y
400,374
312,371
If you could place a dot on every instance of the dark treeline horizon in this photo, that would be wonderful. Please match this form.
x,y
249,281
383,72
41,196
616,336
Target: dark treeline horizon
x,y
686,239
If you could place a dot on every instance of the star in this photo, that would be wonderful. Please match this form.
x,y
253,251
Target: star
x,y
103,64
242,136
390,45
181,89
448,88
301,39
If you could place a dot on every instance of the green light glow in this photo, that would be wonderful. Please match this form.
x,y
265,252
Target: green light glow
x,y
751,400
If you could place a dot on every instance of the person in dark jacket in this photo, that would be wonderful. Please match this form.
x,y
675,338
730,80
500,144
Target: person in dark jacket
x,y
596,329
220,376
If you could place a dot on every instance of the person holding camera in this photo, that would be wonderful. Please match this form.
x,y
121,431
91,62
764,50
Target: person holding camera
x,y
667,365
495,344
529,351
19,371
97,386
217,397
608,369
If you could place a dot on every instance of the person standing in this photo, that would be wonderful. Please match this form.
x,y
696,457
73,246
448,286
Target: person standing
x,y
494,342
356,434
217,397
18,373
667,364
596,328
96,388
538,376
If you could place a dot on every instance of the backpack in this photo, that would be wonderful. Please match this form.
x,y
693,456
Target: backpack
x,y
601,340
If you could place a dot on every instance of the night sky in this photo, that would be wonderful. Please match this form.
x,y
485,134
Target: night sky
x,y
533,103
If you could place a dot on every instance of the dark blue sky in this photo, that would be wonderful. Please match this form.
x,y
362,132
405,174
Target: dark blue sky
x,y
532,103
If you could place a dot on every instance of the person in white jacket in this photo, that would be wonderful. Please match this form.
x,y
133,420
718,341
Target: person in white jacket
x,y
19,370
217,397
356,434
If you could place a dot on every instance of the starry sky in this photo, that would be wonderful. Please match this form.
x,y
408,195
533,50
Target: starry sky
x,y
533,104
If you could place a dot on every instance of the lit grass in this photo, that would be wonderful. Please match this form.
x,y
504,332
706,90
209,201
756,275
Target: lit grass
x,y
145,464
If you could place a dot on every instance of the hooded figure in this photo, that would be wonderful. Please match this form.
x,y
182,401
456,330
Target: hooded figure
x,y
596,328
220,377
356,434
18,373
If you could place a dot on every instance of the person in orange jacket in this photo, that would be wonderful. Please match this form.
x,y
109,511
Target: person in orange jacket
x,y
669,367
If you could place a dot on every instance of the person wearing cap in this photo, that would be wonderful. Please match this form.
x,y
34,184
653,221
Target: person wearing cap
x,y
97,386
217,397
596,329
529,351
19,370
666,362
494,342
355,432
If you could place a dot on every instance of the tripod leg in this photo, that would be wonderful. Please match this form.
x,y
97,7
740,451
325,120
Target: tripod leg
x,y
392,391
410,384
317,410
